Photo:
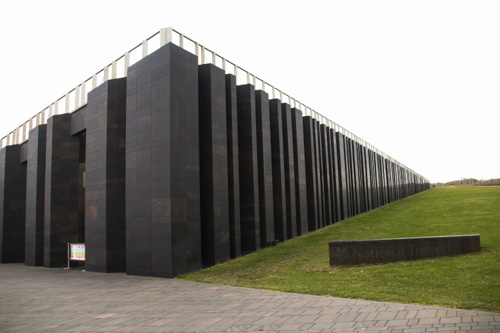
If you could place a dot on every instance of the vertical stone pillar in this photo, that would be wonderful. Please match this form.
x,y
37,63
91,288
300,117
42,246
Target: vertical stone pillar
x,y
325,159
356,180
266,210
105,177
213,165
368,181
341,171
12,205
312,199
335,176
163,229
279,194
249,176
319,174
291,217
62,175
233,166
35,199
299,172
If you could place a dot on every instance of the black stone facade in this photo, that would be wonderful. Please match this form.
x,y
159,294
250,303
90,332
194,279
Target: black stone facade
x,y
62,223
12,205
214,185
163,228
183,170
105,177
35,196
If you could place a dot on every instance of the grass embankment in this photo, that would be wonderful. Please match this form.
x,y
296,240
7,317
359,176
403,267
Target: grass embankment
x,y
469,281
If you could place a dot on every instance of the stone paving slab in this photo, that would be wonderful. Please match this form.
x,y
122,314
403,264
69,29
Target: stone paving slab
x,y
36,299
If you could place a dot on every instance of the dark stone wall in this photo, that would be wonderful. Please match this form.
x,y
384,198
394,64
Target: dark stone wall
x,y
35,196
341,172
279,194
62,176
291,212
335,177
185,169
214,187
265,168
162,164
311,183
233,168
325,167
299,172
12,205
79,120
105,177
249,177
319,174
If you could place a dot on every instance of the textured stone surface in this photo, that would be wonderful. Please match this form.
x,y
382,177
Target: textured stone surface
x,y
373,251
105,178
312,194
214,197
63,223
12,205
162,164
233,168
265,168
35,199
165,305
291,212
299,172
249,177
279,194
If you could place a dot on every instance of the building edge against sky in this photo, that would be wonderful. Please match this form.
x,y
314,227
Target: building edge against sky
x,y
185,167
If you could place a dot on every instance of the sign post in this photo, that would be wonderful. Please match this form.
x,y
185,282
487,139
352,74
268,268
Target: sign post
x,y
76,252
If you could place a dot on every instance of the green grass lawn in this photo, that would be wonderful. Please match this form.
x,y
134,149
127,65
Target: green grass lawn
x,y
302,265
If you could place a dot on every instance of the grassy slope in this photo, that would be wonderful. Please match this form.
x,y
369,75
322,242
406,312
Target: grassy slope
x,y
469,281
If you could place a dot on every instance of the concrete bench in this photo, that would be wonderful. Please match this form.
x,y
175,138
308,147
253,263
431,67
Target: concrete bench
x,y
374,251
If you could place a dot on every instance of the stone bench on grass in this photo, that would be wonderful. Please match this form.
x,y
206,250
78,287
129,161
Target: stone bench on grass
x,y
374,251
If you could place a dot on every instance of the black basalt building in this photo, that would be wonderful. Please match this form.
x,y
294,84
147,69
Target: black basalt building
x,y
176,167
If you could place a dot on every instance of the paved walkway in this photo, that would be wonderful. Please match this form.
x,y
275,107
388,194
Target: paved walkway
x,y
36,299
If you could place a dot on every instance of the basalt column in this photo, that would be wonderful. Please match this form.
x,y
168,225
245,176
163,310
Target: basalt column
x,y
289,171
35,190
355,177
163,229
249,175
12,205
341,172
312,198
335,176
62,175
279,194
319,174
266,210
299,172
213,166
368,193
233,166
325,166
105,178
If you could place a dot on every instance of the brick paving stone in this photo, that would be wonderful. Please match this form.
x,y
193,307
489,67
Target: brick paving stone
x,y
448,320
426,313
429,321
35,299
400,322
388,315
483,319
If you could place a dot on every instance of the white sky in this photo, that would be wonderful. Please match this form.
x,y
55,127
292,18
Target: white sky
x,y
419,80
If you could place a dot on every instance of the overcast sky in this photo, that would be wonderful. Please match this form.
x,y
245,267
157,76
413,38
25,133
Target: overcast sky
x,y
419,80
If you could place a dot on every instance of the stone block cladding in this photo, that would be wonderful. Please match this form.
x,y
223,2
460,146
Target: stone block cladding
x,y
176,167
